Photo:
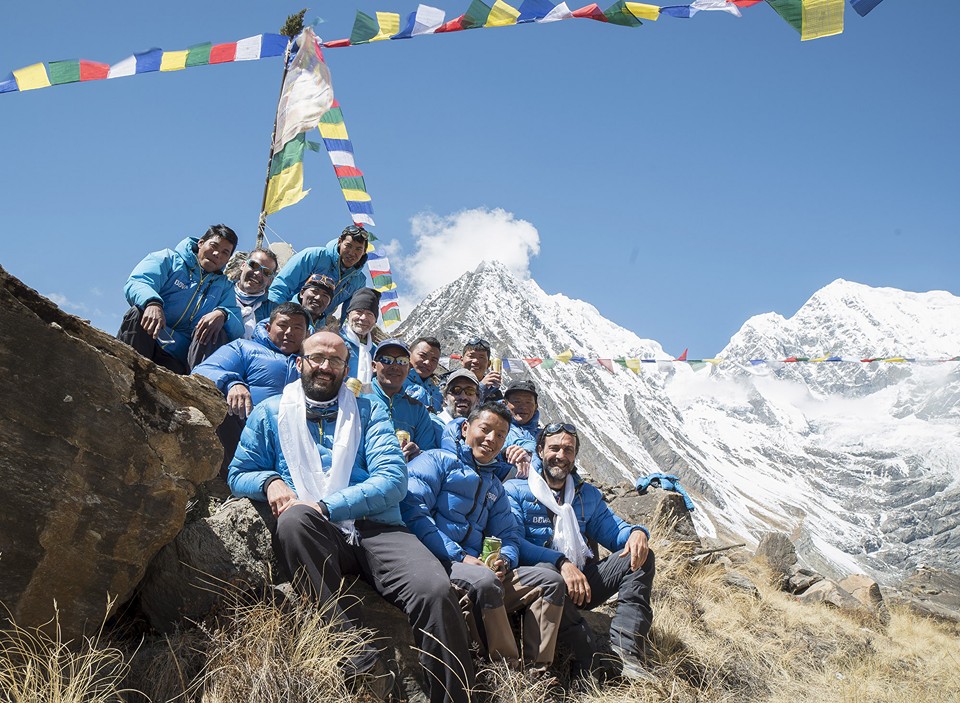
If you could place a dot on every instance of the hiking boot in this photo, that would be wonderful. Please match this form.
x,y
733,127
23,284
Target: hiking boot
x,y
632,668
377,682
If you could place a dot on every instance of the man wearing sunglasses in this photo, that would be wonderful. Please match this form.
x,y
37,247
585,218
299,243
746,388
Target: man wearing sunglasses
x,y
476,358
328,466
391,359
560,513
315,297
460,396
256,274
341,260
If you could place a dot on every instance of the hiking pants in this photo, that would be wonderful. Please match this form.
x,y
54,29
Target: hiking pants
x,y
132,333
397,565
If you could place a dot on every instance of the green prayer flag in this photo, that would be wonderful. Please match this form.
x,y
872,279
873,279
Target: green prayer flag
x,y
365,28
290,155
384,279
353,183
64,72
198,55
791,11
619,14
332,116
476,15
548,363
313,146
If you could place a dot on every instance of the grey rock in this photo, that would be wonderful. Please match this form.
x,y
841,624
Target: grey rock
x,y
778,551
867,592
830,593
736,580
93,488
800,578
658,509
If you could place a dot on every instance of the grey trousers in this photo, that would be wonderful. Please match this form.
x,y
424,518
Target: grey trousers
x,y
633,617
403,571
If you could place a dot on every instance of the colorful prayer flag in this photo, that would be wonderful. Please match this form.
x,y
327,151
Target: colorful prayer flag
x,y
32,77
821,18
307,91
425,20
863,7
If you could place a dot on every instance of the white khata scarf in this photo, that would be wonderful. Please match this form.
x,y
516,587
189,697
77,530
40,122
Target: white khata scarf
x,y
248,310
566,532
365,362
311,481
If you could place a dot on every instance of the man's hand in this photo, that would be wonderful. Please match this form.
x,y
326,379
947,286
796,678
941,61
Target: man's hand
x,y
492,379
280,497
209,325
578,588
410,450
470,559
153,320
500,569
515,455
637,548
239,400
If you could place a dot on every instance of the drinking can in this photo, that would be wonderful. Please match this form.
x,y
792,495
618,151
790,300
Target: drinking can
x,y
491,550
496,364
403,436
355,386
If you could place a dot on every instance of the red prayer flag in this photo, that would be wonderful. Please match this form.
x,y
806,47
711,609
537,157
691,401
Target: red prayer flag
x,y
348,172
683,357
92,71
744,3
336,44
591,12
451,26
607,364
534,362
223,53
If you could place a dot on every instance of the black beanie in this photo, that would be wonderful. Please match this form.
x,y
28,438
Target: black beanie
x,y
365,299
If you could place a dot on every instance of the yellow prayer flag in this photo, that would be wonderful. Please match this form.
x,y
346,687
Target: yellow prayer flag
x,y
389,25
501,15
821,18
333,131
819,359
32,77
643,11
286,188
713,361
174,60
564,356
384,289
895,360
359,196
633,365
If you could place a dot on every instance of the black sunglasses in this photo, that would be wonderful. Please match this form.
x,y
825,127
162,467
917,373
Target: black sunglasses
x,y
478,342
354,231
555,427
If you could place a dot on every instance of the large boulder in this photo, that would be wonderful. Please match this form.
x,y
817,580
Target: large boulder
x,y
99,454
656,509
778,551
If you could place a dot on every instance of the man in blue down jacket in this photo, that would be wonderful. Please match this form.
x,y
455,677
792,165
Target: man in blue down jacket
x,y
422,382
628,571
454,501
391,359
181,301
325,531
248,371
341,259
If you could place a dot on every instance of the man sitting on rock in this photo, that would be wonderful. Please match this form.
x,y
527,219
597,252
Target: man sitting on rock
x,y
422,382
248,371
357,331
330,468
315,297
181,303
476,358
454,501
256,274
391,359
560,513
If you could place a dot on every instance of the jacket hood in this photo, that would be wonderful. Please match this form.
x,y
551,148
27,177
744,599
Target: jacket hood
x,y
260,336
187,250
464,453
533,426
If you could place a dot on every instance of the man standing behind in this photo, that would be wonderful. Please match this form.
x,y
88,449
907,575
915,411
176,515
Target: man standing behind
x,y
453,502
315,297
460,396
342,260
560,512
357,331
476,358
421,383
248,371
256,273
523,403
391,359
331,469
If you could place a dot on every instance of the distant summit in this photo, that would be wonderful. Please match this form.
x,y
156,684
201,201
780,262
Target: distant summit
x,y
859,462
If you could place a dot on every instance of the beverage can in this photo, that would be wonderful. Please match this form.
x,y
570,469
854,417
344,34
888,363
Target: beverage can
x,y
491,550
403,436
496,364
354,385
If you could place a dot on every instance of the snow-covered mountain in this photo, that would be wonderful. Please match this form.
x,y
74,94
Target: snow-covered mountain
x,y
860,463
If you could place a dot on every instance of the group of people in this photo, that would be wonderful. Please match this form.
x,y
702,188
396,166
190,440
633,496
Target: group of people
x,y
446,493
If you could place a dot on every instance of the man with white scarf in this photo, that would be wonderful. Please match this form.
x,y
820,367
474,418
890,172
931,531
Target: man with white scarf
x,y
330,467
560,513
357,331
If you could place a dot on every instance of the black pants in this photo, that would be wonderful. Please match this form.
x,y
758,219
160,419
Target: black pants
x,y
403,571
132,333
633,616
229,433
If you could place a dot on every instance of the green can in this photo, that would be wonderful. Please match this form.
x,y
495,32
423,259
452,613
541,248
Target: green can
x,y
491,550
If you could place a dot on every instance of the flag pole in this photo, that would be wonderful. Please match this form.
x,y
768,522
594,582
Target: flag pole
x,y
292,27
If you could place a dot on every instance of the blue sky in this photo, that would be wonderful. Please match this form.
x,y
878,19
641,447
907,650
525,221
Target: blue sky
x,y
680,176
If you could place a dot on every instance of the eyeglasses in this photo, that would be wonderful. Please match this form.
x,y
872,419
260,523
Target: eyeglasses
x,y
254,266
469,391
478,342
354,231
319,360
555,427
392,360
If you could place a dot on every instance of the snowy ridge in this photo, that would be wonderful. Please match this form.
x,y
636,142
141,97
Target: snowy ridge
x,y
860,463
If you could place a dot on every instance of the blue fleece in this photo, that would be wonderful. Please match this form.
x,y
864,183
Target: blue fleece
x,y
174,278
377,483
452,504
597,521
524,436
256,363
407,414
424,390
324,260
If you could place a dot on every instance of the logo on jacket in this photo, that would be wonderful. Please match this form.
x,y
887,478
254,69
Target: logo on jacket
x,y
180,284
491,498
540,519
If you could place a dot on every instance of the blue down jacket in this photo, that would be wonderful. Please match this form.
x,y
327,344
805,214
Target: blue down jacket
x,y
597,521
425,390
452,434
452,504
256,363
378,481
325,260
524,436
407,414
175,278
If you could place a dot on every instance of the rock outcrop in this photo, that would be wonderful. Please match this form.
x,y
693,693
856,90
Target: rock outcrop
x,y
99,454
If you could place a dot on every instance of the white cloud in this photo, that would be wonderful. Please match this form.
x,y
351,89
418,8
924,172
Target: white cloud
x,y
449,246
66,304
